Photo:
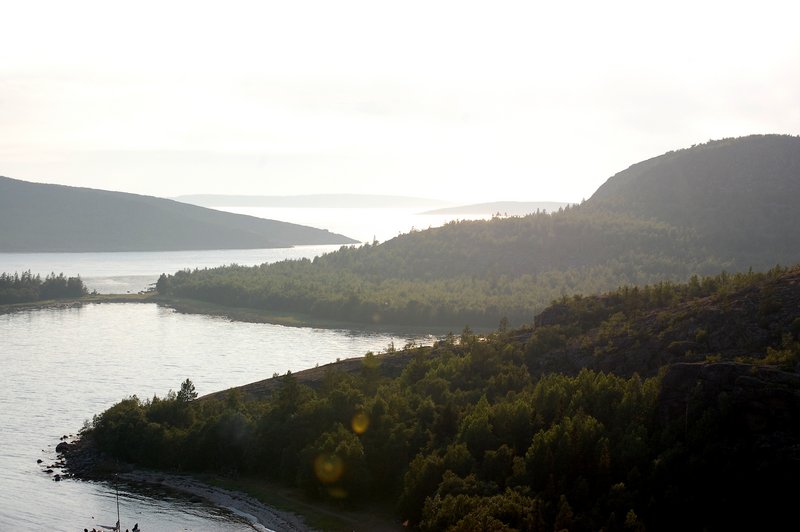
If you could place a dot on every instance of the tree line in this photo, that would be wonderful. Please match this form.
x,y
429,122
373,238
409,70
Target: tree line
x,y
26,287
469,272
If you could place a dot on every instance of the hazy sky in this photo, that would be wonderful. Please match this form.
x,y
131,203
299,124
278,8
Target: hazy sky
x,y
470,101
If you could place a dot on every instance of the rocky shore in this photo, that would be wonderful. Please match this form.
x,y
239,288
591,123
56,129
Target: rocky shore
x,y
82,460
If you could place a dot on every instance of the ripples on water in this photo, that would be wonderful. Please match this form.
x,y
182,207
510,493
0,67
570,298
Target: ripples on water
x,y
62,366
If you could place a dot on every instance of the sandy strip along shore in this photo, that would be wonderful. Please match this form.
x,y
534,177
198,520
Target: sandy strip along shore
x,y
261,516
81,459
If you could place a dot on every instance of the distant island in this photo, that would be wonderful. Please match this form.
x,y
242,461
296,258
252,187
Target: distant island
x,y
313,201
40,217
510,208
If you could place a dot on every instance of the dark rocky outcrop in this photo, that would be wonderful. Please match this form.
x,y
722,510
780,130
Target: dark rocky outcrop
x,y
734,430
761,398
82,459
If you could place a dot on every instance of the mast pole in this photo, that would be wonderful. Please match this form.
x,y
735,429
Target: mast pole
x,y
116,486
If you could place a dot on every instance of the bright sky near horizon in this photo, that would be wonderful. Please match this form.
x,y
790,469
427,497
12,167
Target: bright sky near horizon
x,y
468,101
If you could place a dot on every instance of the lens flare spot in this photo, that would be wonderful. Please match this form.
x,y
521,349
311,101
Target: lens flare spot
x,y
328,468
337,493
360,423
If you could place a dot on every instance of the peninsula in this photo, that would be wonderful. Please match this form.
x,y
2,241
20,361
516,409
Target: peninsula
x,y
56,218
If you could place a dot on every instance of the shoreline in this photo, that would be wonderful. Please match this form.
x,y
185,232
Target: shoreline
x,y
76,302
296,319
267,506
81,460
261,516
240,314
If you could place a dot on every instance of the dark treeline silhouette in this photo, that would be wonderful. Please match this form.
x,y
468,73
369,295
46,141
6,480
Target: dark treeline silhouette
x,y
662,407
25,287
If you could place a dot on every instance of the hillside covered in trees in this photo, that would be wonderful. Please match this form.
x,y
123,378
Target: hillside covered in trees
x,y
737,195
53,218
727,205
665,407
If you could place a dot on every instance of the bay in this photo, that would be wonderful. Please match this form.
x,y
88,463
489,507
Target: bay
x,y
62,366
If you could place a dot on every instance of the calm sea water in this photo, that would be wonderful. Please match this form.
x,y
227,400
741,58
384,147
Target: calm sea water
x,y
134,271
62,366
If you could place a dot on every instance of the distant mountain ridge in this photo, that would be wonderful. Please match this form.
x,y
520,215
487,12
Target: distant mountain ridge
x,y
312,201
38,217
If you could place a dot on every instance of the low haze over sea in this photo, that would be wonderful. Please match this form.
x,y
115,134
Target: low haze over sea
x,y
363,224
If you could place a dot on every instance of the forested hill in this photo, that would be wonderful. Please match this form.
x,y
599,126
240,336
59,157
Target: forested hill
x,y
739,195
751,318
673,407
737,210
473,272
42,217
